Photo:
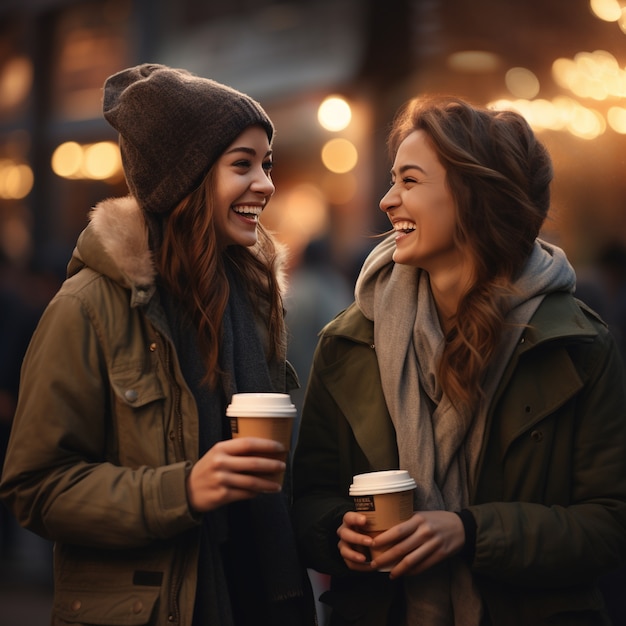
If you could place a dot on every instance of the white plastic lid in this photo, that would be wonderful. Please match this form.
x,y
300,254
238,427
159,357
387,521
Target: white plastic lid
x,y
387,481
261,405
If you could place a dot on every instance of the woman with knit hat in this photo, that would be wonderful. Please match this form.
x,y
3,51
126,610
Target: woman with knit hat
x,y
120,450
466,361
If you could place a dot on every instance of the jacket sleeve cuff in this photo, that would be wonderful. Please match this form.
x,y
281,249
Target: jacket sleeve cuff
x,y
469,525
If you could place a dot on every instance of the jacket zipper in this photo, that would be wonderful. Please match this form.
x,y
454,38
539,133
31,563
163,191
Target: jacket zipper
x,y
178,566
175,386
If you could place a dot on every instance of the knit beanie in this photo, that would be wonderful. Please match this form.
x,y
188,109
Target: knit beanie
x,y
173,126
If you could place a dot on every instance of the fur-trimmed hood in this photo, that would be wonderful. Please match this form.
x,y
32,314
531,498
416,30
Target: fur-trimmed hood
x,y
115,243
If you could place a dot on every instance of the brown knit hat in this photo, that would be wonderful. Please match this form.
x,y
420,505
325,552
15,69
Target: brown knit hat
x,y
172,127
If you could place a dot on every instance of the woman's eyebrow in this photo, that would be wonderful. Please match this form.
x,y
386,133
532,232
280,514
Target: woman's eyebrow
x,y
250,151
408,166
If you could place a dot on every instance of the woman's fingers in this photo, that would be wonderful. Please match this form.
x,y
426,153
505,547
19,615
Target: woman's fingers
x,y
414,546
235,469
353,543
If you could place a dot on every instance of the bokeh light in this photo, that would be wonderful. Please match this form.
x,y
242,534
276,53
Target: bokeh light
x,y
334,113
16,179
101,160
477,61
616,118
98,161
560,113
522,83
66,159
607,10
16,79
339,155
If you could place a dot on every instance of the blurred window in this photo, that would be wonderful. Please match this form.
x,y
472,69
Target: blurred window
x,y
16,72
90,42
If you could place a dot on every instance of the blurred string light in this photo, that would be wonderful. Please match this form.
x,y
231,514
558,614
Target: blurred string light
x,y
521,82
16,79
595,75
334,113
339,155
616,118
606,10
475,61
589,76
16,179
609,11
561,113
97,161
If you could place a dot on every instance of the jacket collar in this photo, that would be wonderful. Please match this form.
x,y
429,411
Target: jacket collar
x,y
115,243
559,315
351,323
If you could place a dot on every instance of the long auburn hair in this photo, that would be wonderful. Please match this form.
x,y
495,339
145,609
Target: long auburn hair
x,y
499,174
192,266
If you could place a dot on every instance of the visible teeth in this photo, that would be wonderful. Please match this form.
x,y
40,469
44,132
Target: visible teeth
x,y
407,227
249,211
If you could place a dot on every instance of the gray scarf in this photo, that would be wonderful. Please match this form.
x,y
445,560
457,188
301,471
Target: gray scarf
x,y
436,444
248,569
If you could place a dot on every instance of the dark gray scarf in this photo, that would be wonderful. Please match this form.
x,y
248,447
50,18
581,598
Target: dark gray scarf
x,y
248,572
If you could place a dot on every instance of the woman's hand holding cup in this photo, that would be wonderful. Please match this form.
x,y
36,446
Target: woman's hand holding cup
x,y
235,469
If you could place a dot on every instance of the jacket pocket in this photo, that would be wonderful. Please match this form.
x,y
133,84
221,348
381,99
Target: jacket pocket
x,y
133,387
138,415
105,607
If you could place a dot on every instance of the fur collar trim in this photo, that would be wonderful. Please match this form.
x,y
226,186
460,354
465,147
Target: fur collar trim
x,y
120,228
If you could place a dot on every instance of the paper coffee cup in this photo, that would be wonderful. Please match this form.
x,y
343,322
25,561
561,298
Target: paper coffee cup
x,y
385,498
264,415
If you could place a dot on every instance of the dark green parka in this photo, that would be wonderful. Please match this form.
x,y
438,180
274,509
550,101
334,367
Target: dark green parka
x,y
550,495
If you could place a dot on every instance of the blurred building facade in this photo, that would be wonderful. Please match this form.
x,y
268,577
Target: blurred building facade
x,y
290,55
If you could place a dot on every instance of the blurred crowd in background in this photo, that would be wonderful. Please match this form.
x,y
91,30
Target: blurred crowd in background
x,y
331,74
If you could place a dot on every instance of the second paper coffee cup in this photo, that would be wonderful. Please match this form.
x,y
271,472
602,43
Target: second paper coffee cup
x,y
264,415
385,498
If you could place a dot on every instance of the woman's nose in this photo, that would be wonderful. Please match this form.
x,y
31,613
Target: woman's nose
x,y
388,201
263,184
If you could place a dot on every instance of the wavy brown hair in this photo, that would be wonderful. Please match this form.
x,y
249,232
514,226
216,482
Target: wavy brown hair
x,y
499,175
192,266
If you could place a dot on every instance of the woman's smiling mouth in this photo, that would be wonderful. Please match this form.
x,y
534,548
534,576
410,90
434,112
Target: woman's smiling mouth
x,y
249,211
404,226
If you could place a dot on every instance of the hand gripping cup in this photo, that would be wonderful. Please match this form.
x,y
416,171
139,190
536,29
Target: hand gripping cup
x,y
265,415
385,498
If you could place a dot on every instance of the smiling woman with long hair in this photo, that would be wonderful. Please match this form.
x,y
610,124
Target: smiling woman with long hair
x,y
173,303
466,360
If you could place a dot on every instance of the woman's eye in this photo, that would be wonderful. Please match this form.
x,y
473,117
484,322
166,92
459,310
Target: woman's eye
x,y
242,163
267,166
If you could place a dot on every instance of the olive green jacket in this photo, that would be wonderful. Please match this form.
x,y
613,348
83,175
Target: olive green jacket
x,y
550,495
105,434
